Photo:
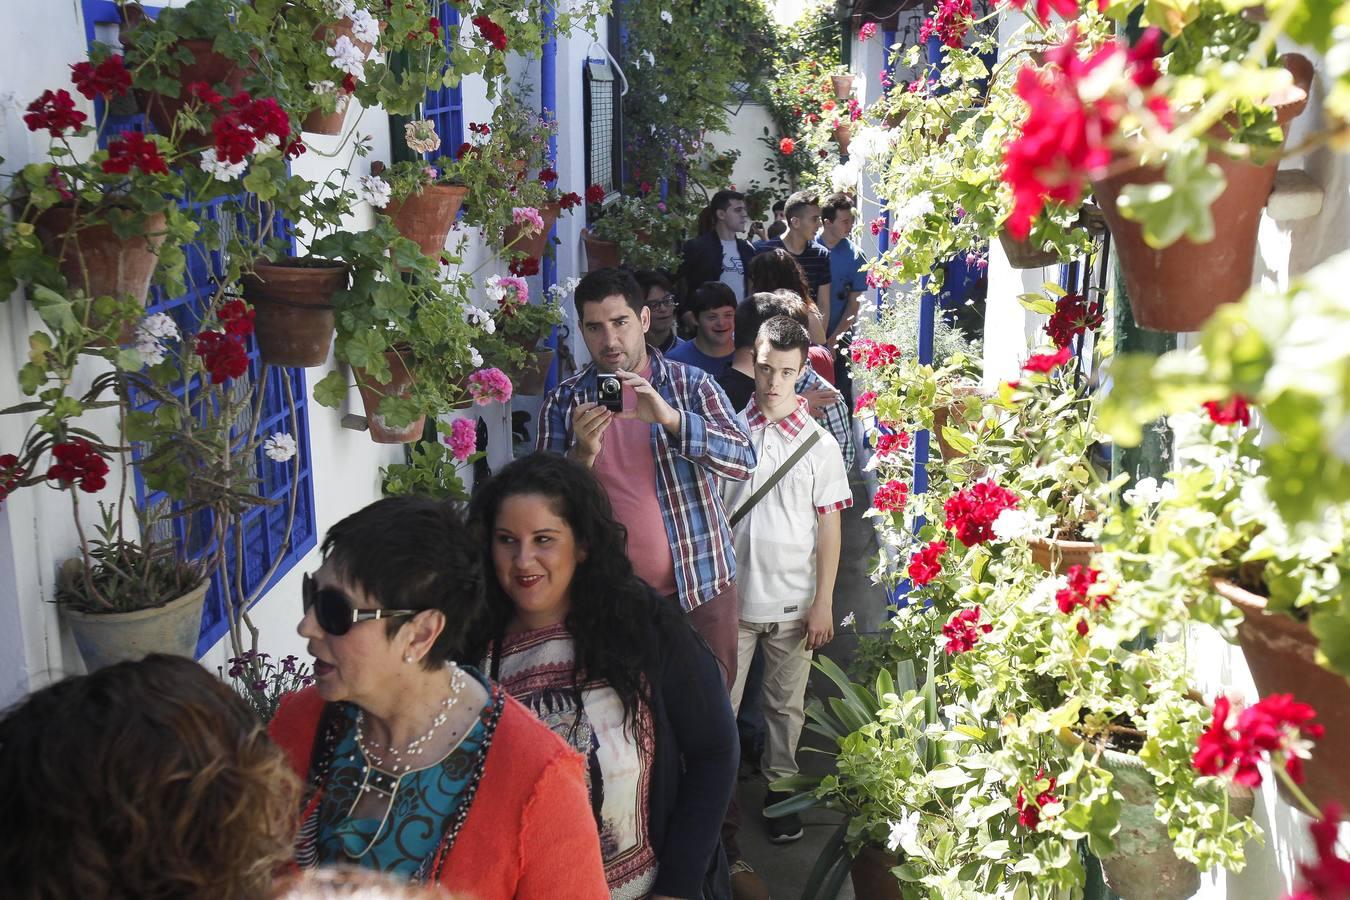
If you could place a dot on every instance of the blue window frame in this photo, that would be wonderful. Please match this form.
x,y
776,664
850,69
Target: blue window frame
x,y
267,554
445,106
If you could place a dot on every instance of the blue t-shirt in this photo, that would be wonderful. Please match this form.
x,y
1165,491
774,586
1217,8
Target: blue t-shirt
x,y
689,354
814,260
846,276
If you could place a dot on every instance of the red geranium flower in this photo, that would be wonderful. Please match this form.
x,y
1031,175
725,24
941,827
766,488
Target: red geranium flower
x,y
948,23
1048,362
133,150
1072,317
971,511
491,31
1278,724
595,194
1066,8
786,146
1234,410
200,90
434,26
1075,595
1029,812
78,464
889,443
891,496
569,200
872,354
547,176
864,401
1329,878
54,111
109,78
237,317
963,630
10,473
925,565
524,268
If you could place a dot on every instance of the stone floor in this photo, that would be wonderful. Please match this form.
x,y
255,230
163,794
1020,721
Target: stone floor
x,y
785,867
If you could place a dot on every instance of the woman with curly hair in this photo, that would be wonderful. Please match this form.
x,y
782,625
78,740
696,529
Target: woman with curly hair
x,y
578,638
143,780
775,270
415,766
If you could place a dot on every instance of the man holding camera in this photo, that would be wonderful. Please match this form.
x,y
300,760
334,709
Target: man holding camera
x,y
658,435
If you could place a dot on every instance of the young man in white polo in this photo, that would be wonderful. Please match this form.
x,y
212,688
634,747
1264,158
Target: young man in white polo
x,y
786,531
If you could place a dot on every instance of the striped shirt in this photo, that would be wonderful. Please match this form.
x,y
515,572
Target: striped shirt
x,y
710,446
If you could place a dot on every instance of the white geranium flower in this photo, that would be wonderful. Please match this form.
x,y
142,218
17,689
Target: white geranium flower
x,y
375,191
906,831
475,358
662,98
365,27
844,177
1147,492
347,57
522,15
280,447
220,170
480,317
848,620
340,9
912,211
1042,596
151,334
561,291
667,17
647,55
1013,524
494,289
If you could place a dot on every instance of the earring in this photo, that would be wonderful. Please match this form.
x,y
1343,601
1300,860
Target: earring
x,y
408,658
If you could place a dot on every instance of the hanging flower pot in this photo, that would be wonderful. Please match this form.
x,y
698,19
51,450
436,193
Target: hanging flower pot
x,y
533,245
843,86
400,384
1024,254
942,415
206,66
318,121
293,309
1178,287
842,137
107,638
871,874
529,379
1281,653
427,218
600,254
1057,555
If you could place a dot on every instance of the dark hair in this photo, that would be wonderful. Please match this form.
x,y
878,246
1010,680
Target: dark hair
x,y
783,333
757,309
602,283
708,296
413,552
798,202
777,229
145,779
650,278
778,206
777,268
617,622
835,204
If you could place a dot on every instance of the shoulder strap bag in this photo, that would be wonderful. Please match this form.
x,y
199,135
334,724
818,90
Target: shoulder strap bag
x,y
776,477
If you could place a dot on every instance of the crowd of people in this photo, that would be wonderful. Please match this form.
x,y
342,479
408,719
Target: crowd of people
x,y
532,697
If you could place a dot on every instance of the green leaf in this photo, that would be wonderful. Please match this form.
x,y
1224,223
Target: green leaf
x,y
1311,23
1178,206
949,777
331,390
56,311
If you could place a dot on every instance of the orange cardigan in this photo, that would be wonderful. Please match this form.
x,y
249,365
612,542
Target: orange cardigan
x,y
530,832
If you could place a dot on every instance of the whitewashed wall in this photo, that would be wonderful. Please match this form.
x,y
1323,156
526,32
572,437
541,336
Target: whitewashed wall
x,y
36,527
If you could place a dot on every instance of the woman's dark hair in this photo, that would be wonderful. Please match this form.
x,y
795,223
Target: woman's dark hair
x,y
775,269
616,621
147,779
413,552
650,278
757,309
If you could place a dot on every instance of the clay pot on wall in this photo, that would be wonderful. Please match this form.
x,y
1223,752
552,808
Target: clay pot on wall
x,y
400,384
427,218
293,309
530,378
1024,254
942,416
842,137
600,254
1178,287
318,121
107,638
207,66
531,246
1282,655
843,86
871,875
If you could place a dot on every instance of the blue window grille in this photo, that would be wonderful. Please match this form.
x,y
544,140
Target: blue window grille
x,y
445,106
261,534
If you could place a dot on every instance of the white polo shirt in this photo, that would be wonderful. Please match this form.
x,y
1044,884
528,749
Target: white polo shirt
x,y
776,543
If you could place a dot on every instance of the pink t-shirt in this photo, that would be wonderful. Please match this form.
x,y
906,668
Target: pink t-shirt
x,y
627,469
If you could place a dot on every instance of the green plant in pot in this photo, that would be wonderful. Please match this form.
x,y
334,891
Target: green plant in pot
x,y
645,236
432,467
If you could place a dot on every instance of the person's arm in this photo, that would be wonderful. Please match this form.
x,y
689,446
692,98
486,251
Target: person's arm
x,y
818,314
846,321
834,416
820,618
709,433
704,729
553,421
559,859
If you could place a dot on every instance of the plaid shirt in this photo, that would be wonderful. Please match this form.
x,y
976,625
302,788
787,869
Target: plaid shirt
x,y
836,419
711,445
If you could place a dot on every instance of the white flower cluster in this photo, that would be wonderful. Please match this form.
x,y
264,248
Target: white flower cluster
x,y
151,334
365,27
348,58
912,212
1013,524
1147,492
219,169
475,358
481,317
280,447
904,832
375,191
667,17
561,291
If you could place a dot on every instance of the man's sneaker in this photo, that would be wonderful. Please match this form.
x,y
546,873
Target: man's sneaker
x,y
782,829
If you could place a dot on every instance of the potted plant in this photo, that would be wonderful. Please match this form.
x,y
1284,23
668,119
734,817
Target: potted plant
x,y
643,235
432,467
423,200
292,299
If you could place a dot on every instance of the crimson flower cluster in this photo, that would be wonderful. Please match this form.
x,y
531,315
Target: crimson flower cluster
x,y
1276,724
1046,363
864,401
926,564
1072,317
493,33
238,131
595,194
949,23
525,267
569,200
54,111
78,464
1236,409
134,151
889,443
891,496
786,146
1066,8
1065,138
109,78
871,354
963,630
971,511
1075,595
1329,877
434,26
1029,811
10,473
225,353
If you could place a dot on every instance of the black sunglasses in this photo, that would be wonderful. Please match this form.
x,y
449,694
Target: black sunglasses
x,y
334,612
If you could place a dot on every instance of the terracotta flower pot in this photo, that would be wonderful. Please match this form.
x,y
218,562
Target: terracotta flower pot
x,y
842,137
427,218
107,638
871,875
600,254
534,245
400,384
1024,254
843,86
1057,556
942,416
293,309
318,121
1177,288
215,69
530,378
1281,653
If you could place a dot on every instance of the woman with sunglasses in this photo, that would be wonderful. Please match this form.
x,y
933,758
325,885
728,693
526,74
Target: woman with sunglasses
x,y
615,669
416,766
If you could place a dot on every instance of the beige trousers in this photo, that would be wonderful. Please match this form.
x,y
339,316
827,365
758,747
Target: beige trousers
x,y
787,663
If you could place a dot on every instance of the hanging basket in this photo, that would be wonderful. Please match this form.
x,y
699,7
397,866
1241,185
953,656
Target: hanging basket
x,y
318,121
427,218
1024,254
531,246
107,638
207,66
600,254
871,875
843,86
842,137
1178,287
400,384
293,309
1281,653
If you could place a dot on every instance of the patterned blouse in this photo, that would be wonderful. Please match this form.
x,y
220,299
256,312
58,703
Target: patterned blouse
x,y
535,667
